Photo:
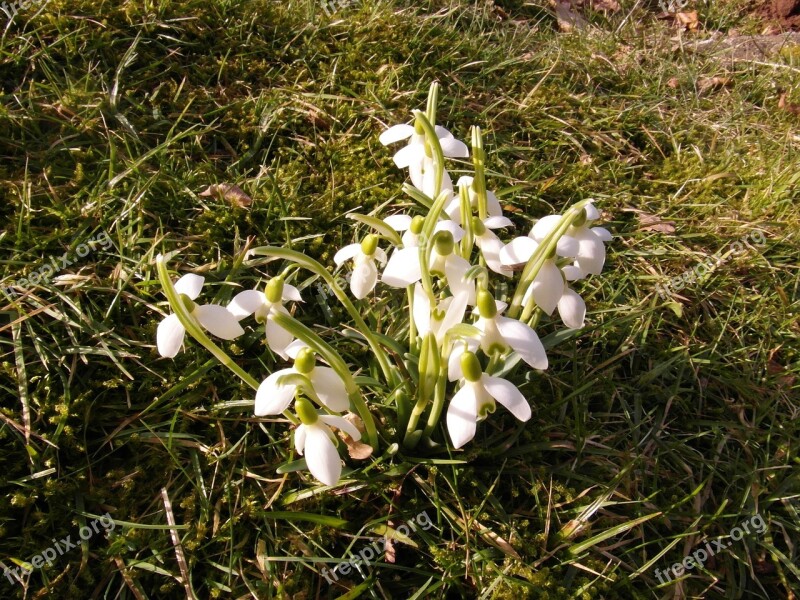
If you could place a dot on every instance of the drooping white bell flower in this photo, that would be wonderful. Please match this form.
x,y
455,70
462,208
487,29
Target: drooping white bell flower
x,y
453,206
403,267
499,333
444,262
215,318
263,305
580,241
414,154
441,319
489,244
549,288
476,399
365,271
314,439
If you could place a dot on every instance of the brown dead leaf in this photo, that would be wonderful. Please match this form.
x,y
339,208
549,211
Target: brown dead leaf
x,y
687,20
356,450
608,6
648,222
710,84
228,191
673,82
789,107
567,17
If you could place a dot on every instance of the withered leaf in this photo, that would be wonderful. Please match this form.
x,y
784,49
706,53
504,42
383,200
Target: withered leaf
x,y
228,191
687,20
356,449
709,84
648,222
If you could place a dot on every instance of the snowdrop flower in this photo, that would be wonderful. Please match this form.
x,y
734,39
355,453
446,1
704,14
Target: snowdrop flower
x,y
476,399
264,304
549,288
314,439
273,397
414,154
403,267
499,333
453,207
217,319
582,242
439,320
489,244
365,271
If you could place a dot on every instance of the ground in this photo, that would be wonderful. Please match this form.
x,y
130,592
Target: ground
x,y
664,425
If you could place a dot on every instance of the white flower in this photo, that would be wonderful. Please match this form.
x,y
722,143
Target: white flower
x,y
499,333
217,319
314,439
453,207
476,399
413,155
365,271
263,305
582,242
273,397
549,288
489,244
447,314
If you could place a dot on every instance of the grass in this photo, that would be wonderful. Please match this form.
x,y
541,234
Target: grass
x,y
658,428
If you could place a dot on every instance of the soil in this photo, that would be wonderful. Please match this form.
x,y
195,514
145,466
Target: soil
x,y
781,15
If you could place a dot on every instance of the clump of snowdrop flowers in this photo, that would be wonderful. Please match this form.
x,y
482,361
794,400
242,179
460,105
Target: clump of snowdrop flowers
x,y
426,299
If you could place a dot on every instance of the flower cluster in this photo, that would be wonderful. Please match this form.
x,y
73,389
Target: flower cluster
x,y
447,339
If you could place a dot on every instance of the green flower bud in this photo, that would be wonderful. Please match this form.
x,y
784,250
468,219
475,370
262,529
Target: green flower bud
x,y
445,243
187,302
486,304
416,224
306,411
470,367
369,244
305,361
274,291
581,220
478,227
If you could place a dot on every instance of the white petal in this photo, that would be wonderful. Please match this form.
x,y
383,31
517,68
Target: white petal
x,y
518,251
493,205
219,321
364,278
246,303
466,180
572,272
278,338
454,148
343,424
410,240
291,293
398,222
346,253
453,208
403,268
591,252
603,233
523,340
491,246
452,227
169,336
442,133
592,213
548,287
508,395
421,310
190,284
380,255
572,309
300,438
542,228
462,415
498,222
409,156
567,246
330,388
271,398
321,456
454,313
455,268
293,349
396,133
